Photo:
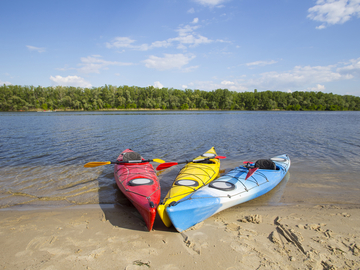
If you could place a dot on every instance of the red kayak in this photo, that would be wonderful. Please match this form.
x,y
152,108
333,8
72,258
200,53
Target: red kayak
x,y
139,183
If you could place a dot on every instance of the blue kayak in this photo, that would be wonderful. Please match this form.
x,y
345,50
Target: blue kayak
x,y
240,185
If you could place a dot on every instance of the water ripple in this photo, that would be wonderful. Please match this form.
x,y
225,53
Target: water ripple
x,y
42,155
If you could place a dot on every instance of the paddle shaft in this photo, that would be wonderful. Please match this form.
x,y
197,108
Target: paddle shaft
x,y
170,164
96,164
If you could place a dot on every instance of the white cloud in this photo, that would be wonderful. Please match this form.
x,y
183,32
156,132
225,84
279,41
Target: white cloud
x,y
70,81
94,63
196,20
191,10
157,84
2,83
211,3
317,88
210,85
187,36
189,69
169,61
65,68
300,78
261,63
227,83
120,42
38,49
125,42
334,11
321,26
352,68
160,44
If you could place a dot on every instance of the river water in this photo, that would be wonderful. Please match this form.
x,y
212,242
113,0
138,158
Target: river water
x,y
42,154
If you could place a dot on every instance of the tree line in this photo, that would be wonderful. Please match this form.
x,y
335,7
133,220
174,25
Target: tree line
x,y
16,98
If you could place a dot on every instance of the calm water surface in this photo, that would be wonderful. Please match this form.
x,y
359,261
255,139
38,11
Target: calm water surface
x,y
42,154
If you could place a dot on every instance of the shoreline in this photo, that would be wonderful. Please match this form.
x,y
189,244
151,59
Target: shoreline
x,y
242,237
175,110
250,204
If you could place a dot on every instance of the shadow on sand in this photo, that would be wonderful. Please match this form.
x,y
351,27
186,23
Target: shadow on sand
x,y
119,210
121,213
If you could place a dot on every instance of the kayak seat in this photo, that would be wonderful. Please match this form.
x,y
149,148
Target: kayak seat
x,y
266,164
131,156
141,182
205,161
187,183
225,186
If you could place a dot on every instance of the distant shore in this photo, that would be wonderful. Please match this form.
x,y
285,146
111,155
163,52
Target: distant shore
x,y
158,109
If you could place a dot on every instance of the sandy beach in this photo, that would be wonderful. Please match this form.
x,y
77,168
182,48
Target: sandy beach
x,y
242,237
56,214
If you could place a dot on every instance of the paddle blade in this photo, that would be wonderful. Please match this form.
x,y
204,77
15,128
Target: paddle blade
x,y
166,165
157,160
251,172
220,157
96,164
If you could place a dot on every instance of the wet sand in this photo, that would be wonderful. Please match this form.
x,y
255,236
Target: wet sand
x,y
243,237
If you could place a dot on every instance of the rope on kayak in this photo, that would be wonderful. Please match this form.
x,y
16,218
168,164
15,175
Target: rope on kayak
x,y
237,176
149,174
208,171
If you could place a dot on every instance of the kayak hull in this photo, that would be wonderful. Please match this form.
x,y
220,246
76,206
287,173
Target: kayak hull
x,y
139,183
192,177
226,191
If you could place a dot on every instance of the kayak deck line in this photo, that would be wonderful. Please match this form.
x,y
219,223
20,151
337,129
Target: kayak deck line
x,y
197,175
229,190
138,181
134,176
193,176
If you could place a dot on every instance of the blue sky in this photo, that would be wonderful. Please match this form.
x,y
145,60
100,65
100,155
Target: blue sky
x,y
241,45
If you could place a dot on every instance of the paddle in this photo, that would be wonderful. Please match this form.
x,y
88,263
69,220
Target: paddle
x,y
96,164
251,171
170,164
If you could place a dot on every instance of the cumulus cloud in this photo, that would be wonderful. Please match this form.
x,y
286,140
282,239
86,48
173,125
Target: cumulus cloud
x,y
70,81
331,12
2,82
196,20
300,78
227,83
317,88
157,84
94,63
187,37
210,3
351,68
126,42
37,49
169,61
261,63
211,85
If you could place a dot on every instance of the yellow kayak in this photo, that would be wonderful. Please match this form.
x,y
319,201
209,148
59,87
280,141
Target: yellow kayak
x,y
193,176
